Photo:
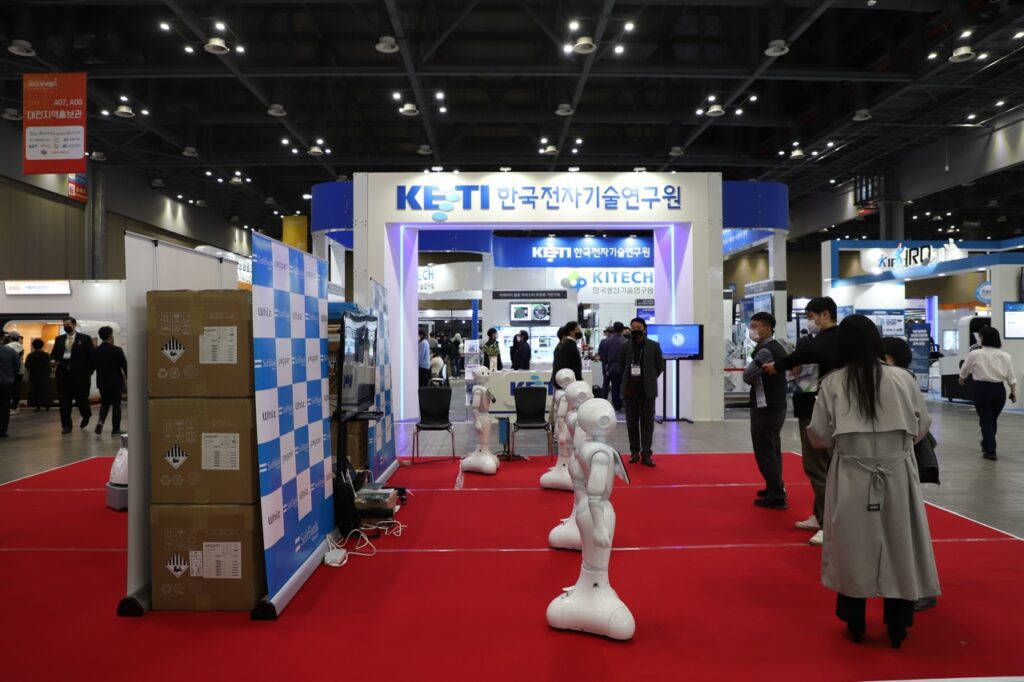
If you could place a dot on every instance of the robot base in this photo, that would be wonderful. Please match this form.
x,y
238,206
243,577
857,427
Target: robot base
x,y
566,535
481,463
557,477
591,605
117,496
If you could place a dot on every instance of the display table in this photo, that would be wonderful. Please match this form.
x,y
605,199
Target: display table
x,y
504,383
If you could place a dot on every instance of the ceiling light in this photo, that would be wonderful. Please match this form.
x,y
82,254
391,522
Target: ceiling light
x,y
189,49
105,112
315,150
983,56
579,140
830,144
387,45
574,25
711,98
327,151
933,55
914,218
269,201
814,153
124,111
1018,35
439,95
699,112
564,109
191,201
276,213
426,171
123,98
832,181
1000,103
777,48
320,140
298,213
715,110
550,150
971,117
238,173
443,110
409,109
505,169
190,152
284,140
200,202
797,153
209,173
437,169
220,180
584,45
964,53
424,150
543,140
21,48
619,49
180,197
248,179
235,180
739,112
629,26
157,182
782,153
98,156
639,169
164,26
575,151
862,115
675,151
567,48
219,26
240,49
927,212
455,170
949,213
277,110
295,150
216,45
966,34
145,112
752,98
574,169
11,114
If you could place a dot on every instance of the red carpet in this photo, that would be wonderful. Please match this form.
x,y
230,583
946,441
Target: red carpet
x,y
705,611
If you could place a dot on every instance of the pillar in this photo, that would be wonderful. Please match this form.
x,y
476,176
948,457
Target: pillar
x,y
295,231
777,273
95,224
891,220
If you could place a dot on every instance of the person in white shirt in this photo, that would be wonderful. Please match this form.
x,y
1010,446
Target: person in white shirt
x,y
991,368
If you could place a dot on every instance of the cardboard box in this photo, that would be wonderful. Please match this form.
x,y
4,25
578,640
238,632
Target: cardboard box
x,y
206,557
203,451
356,450
199,344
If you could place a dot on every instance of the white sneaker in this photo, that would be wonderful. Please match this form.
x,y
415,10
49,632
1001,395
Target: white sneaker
x,y
818,539
810,523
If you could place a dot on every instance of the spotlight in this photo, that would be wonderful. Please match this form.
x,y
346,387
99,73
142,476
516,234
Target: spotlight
x,y
443,110
567,48
284,140
164,26
619,49
629,26
209,173
830,144
439,95
295,150
189,49
1000,103
574,25
123,98
966,34
145,112
396,96
575,151
240,49
711,98
796,143
739,112
219,26
105,112
579,140
814,153
971,117
700,112
832,181
574,169
320,141
983,56
543,140
505,169
277,110
386,45
753,98
933,55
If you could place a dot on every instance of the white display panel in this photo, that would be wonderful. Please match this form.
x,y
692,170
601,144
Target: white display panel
x,y
542,344
1013,320
47,287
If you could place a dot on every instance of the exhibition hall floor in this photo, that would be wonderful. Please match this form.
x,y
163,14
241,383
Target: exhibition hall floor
x,y
721,590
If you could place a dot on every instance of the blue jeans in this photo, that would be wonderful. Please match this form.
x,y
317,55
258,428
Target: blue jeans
x,y
989,399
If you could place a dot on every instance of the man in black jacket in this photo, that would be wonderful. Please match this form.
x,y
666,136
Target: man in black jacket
x,y
614,368
72,353
569,353
523,353
767,410
820,350
111,372
642,363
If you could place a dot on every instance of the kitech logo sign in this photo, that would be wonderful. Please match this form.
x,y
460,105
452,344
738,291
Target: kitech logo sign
x,y
442,202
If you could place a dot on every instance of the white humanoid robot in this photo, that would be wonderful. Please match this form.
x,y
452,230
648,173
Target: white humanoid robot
x,y
481,460
557,477
591,605
566,535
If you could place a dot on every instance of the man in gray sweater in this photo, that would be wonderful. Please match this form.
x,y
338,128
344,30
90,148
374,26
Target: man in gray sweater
x,y
10,367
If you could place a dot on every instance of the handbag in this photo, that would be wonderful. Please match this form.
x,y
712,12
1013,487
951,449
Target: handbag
x,y
927,461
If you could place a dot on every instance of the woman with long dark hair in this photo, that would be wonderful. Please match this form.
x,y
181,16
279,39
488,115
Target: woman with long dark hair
x,y
877,542
991,367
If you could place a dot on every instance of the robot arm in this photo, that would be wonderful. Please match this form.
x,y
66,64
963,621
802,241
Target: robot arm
x,y
478,398
597,495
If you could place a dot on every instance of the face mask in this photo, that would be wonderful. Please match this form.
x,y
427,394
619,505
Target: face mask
x,y
812,327
69,329
753,335
637,334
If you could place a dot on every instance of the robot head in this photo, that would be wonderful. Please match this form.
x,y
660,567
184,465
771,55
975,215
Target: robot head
x,y
481,374
578,392
597,417
564,377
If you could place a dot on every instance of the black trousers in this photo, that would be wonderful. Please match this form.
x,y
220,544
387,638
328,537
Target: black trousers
x,y
73,391
111,400
5,412
989,399
898,613
424,377
615,380
15,392
640,424
766,435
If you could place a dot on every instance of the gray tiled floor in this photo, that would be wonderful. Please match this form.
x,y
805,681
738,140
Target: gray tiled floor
x,y
990,492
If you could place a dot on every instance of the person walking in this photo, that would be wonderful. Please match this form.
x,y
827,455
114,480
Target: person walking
x,y
642,364
991,367
424,359
523,352
767,410
10,366
72,353
14,342
453,355
38,366
602,355
877,540
111,375
614,352
821,351
492,349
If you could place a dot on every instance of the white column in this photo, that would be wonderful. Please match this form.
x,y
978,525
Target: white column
x,y
777,273
1004,280
488,312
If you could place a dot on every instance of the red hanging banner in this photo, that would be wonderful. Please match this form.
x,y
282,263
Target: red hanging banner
x,y
54,116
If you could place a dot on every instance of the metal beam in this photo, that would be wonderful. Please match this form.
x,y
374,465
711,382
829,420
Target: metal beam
x,y
924,6
448,31
541,23
394,15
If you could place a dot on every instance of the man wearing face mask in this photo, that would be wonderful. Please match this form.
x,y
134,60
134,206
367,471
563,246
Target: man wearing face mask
x,y
569,352
820,350
72,353
642,363
767,410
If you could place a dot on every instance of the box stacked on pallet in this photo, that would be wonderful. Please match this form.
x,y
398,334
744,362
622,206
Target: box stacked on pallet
x,y
207,549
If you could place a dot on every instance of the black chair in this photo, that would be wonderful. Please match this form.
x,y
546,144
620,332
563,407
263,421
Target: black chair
x,y
435,404
531,414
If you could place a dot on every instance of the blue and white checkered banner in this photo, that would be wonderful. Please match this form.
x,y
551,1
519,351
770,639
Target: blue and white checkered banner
x,y
381,437
293,416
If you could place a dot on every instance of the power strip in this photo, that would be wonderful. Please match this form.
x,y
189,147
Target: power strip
x,y
336,557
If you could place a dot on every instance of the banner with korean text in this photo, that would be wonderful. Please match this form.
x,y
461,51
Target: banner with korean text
x,y
54,123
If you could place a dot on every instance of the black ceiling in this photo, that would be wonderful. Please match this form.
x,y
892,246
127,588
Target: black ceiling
x,y
502,70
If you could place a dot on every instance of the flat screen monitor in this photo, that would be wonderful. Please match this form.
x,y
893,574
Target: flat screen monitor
x,y
540,312
1013,320
518,313
357,371
683,341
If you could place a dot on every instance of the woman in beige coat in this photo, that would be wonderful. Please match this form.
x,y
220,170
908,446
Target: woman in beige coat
x,y
877,542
